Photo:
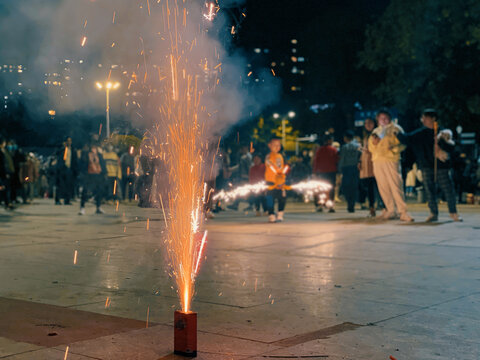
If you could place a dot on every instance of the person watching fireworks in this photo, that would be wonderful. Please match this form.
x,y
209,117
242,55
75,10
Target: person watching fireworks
x,y
275,175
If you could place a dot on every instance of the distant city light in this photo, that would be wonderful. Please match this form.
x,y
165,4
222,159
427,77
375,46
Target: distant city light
x,y
294,41
276,115
291,114
257,50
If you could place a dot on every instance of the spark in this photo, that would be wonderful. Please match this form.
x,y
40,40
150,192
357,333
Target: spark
x,y
66,353
118,203
148,314
148,224
113,19
84,41
75,257
232,31
256,281
307,188
250,73
107,302
115,187
273,72
211,11
200,251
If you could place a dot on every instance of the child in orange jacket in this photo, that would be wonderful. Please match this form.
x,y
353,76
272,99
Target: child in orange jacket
x,y
275,175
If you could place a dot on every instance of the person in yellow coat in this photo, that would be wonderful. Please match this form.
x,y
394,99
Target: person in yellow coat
x,y
114,173
386,148
275,176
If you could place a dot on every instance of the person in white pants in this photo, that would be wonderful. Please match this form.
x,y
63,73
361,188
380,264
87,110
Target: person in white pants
x,y
386,148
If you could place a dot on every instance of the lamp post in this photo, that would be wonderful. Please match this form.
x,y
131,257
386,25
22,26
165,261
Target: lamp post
x,y
291,115
107,86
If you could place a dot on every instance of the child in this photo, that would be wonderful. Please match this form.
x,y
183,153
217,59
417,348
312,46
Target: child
x,y
256,175
275,174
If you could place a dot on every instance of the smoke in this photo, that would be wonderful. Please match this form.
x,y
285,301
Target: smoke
x,y
70,44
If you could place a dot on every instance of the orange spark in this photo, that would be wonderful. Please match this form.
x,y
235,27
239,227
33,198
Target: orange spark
x,y
148,224
75,257
148,313
250,73
113,19
66,353
84,41
115,187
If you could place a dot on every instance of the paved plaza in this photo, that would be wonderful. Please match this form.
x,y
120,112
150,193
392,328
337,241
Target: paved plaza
x,y
318,286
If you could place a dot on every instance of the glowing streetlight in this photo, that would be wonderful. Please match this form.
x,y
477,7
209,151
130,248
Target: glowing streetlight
x,y
291,114
276,115
108,86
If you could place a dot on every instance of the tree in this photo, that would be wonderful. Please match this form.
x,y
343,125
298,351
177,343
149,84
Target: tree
x,y
427,53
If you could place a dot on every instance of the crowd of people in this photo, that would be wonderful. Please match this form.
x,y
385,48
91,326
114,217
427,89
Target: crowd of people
x,y
367,166
364,168
101,172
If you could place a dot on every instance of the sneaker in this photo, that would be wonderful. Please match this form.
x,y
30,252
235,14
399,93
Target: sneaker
x,y
406,217
431,218
320,209
271,218
456,217
331,210
372,213
82,211
99,211
280,216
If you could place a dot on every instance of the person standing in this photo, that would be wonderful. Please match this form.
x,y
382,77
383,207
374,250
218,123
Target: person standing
x,y
127,162
367,178
275,176
66,172
257,175
348,164
114,172
324,167
385,146
429,150
93,171
9,169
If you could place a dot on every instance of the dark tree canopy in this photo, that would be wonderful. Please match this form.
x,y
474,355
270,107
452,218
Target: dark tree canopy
x,y
427,53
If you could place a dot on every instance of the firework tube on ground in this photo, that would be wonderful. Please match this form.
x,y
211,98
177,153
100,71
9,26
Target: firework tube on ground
x,y
185,333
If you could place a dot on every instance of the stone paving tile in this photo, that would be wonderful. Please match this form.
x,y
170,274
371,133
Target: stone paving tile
x,y
11,347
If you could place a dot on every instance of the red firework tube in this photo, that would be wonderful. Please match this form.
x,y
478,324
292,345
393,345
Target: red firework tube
x,y
185,333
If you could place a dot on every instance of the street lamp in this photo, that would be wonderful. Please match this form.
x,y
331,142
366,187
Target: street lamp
x,y
108,86
291,115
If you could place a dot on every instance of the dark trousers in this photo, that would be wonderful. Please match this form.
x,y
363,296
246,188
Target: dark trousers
x,y
329,178
369,186
280,196
445,183
114,190
95,184
127,186
350,178
259,202
65,185
6,193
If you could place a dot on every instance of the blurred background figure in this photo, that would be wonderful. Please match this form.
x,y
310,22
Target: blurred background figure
x,y
127,163
114,173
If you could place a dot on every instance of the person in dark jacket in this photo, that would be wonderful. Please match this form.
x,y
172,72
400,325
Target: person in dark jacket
x,y
429,150
66,172
350,154
93,172
8,169
324,168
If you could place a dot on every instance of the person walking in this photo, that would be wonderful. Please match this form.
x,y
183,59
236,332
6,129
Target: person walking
x,y
385,146
93,175
348,165
324,168
430,149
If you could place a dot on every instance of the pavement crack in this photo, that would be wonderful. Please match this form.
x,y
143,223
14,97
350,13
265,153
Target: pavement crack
x,y
422,308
